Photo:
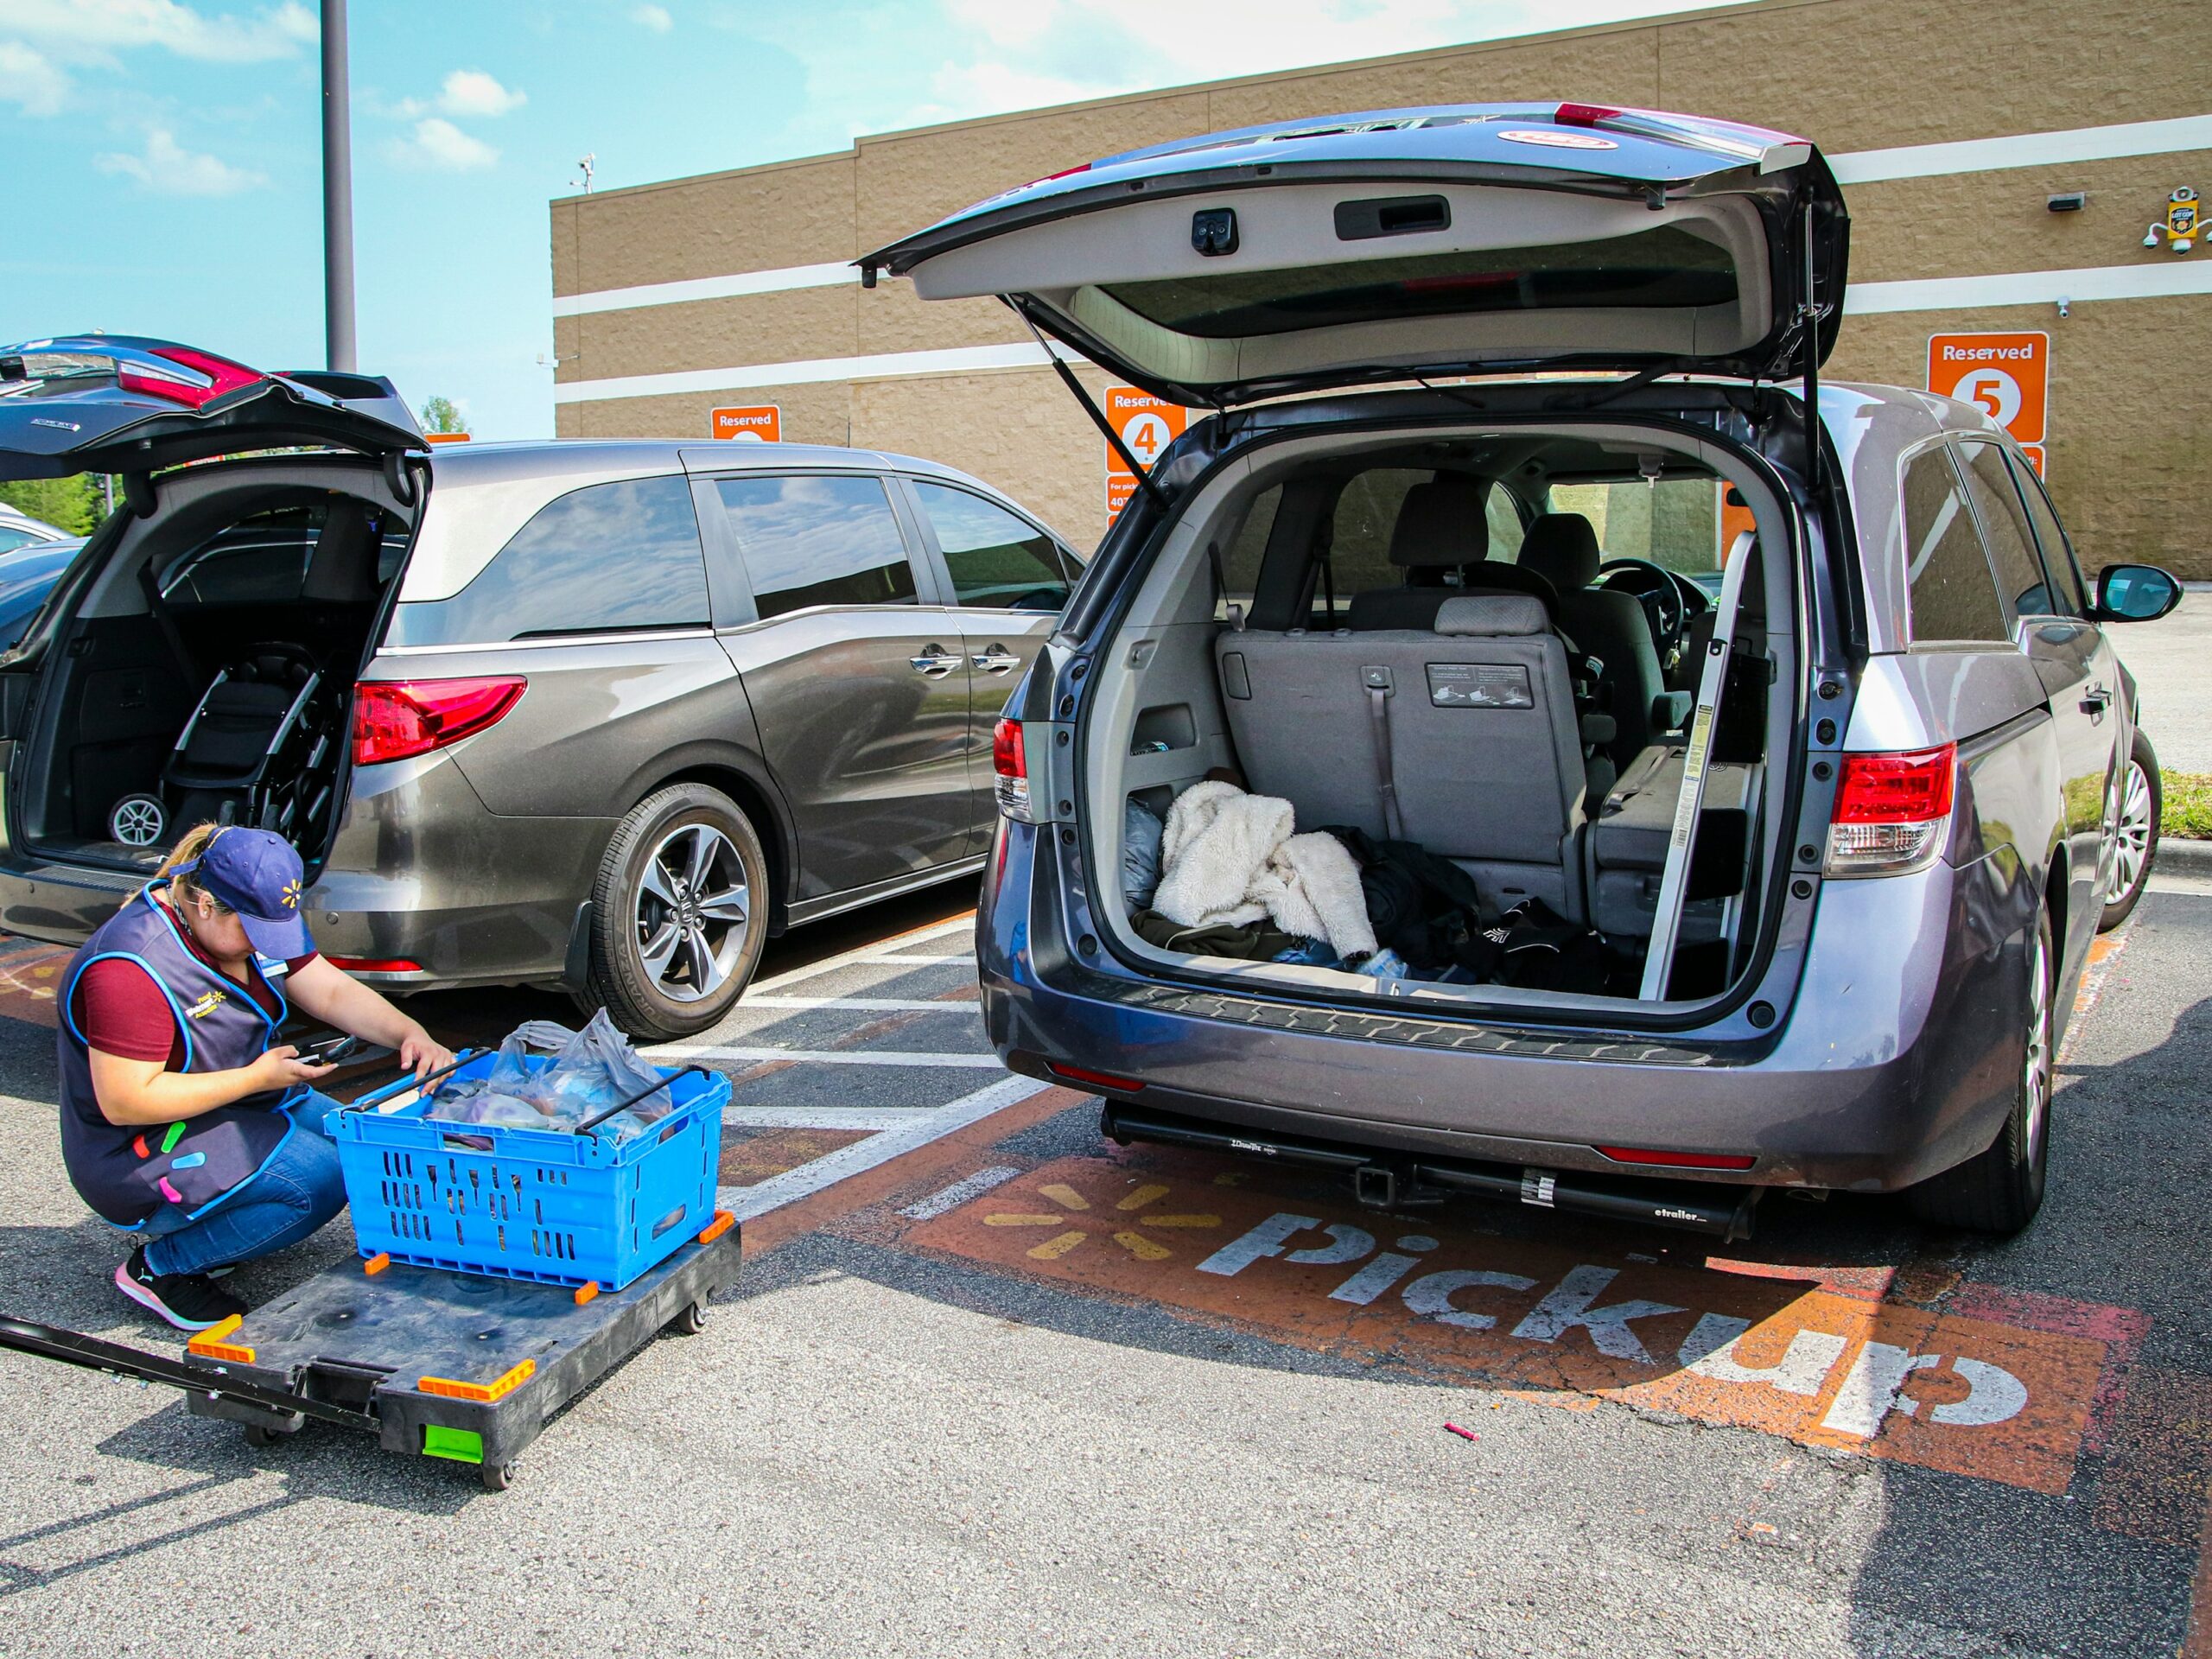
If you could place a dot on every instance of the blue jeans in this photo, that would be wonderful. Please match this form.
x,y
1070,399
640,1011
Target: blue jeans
x,y
289,1198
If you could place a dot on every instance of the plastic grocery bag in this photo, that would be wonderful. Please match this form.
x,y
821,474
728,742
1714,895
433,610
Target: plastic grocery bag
x,y
592,1070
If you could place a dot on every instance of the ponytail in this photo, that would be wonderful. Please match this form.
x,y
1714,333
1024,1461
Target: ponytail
x,y
183,888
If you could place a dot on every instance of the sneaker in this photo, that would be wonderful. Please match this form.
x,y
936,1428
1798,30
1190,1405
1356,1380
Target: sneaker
x,y
189,1301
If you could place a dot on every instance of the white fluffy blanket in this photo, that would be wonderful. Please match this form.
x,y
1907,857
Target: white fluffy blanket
x,y
1229,858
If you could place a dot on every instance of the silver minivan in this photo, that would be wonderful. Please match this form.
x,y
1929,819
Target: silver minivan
x,y
600,715
1673,893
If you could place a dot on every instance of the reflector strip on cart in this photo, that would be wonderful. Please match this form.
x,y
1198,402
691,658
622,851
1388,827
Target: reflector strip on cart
x,y
209,1344
484,1393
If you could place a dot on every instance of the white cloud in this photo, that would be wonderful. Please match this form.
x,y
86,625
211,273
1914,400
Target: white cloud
x,y
88,31
440,145
28,80
655,18
167,168
471,91
466,93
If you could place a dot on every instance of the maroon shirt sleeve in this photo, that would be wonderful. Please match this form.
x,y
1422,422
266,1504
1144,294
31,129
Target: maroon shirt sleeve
x,y
123,1011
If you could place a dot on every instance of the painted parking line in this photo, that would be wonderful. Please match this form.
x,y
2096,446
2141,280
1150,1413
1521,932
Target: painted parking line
x,y
737,1055
749,1202
1974,1384
861,953
862,1004
870,1118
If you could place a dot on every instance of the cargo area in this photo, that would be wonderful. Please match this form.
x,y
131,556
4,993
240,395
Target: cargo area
x,y
207,672
1470,666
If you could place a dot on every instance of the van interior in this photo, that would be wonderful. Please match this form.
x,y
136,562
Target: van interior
x,y
1475,661
208,670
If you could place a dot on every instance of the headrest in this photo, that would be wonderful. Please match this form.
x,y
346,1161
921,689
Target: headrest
x,y
1492,615
1440,527
1562,548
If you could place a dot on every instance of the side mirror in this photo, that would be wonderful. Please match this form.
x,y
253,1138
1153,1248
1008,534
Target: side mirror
x,y
2135,593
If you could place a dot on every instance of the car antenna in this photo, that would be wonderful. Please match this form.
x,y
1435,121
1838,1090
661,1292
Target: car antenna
x,y
1097,415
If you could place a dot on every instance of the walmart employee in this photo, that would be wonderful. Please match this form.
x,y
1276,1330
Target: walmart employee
x,y
180,1120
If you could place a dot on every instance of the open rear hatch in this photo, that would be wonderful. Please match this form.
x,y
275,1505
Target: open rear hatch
x,y
1389,245
118,404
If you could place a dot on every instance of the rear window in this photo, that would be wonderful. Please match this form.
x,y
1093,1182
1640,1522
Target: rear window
x,y
1954,597
817,540
609,558
1665,267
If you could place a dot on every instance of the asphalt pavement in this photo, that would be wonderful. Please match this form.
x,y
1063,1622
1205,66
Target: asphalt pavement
x,y
992,1385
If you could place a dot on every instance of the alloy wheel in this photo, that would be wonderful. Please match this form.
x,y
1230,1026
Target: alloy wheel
x,y
2131,833
137,821
693,912
2035,1079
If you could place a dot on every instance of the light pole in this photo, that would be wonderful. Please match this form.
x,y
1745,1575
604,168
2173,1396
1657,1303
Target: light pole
x,y
337,191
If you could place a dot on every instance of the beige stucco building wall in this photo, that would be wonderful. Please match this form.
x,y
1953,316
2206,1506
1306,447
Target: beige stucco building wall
x,y
2131,379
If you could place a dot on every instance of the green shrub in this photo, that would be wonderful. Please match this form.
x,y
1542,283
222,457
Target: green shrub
x,y
2188,805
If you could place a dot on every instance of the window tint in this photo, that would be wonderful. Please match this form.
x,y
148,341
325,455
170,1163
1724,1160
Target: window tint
x,y
1666,267
1953,595
817,541
262,558
1506,530
996,561
2004,528
2065,576
607,558
1247,549
1359,549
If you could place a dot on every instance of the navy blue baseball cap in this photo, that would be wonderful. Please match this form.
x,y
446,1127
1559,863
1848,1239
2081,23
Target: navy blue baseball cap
x,y
257,874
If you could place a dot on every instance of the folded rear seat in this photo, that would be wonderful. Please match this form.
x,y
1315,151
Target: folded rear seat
x,y
1477,722
1627,846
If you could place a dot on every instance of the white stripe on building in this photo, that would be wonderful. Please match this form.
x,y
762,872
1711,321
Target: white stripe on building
x,y
2079,286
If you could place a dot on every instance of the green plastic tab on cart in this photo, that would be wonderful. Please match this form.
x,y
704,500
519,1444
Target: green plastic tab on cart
x,y
175,1135
462,1445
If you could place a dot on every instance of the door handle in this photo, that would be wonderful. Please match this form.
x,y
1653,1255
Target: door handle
x,y
934,661
2093,703
997,660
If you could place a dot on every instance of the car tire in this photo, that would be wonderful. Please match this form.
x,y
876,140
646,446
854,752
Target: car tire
x,y
679,913
2000,1190
2135,833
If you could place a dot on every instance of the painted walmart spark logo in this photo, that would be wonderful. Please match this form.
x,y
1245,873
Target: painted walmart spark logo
x,y
1072,1205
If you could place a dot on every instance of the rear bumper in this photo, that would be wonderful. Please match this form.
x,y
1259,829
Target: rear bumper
x,y
1897,1059
419,872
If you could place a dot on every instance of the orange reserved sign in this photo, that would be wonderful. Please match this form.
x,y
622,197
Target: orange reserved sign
x,y
754,423
2007,376
1147,425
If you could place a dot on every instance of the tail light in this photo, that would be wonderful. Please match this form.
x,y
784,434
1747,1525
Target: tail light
x,y
1011,764
376,964
1583,115
199,378
1090,1079
395,719
1892,812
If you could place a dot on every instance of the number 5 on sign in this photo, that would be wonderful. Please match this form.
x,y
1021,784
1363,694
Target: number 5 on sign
x,y
2005,375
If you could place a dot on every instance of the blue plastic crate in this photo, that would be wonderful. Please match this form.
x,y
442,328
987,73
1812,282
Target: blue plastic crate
x,y
556,1206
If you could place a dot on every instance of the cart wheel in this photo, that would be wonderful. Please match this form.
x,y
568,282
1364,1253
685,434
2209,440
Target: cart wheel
x,y
691,1321
257,1435
497,1477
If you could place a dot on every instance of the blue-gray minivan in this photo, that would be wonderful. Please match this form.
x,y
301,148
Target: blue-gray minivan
x,y
1780,878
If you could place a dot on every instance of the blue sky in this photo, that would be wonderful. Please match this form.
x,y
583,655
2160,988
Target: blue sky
x,y
160,166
